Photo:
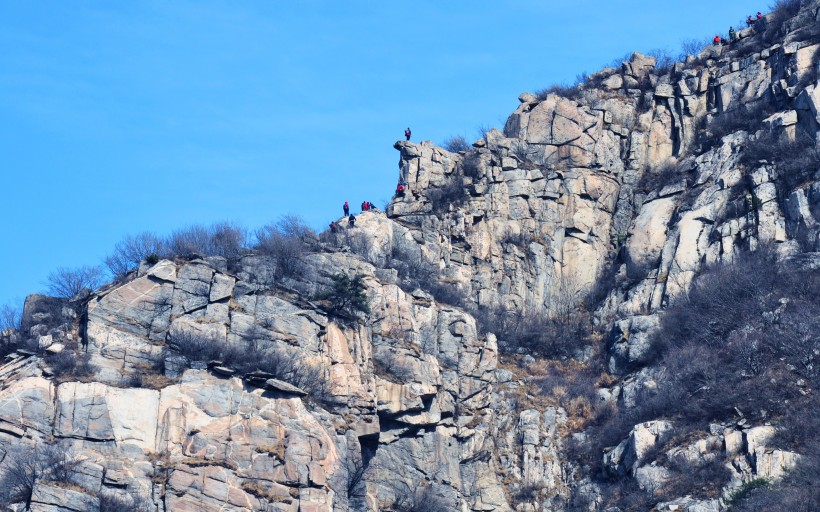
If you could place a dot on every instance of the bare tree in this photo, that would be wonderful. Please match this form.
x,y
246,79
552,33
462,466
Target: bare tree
x,y
24,466
190,241
131,250
116,502
68,282
287,241
11,316
227,240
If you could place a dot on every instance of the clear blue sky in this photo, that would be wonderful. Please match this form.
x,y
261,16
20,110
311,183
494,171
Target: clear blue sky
x,y
122,117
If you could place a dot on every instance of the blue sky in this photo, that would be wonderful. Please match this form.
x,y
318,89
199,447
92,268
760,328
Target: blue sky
x,y
123,117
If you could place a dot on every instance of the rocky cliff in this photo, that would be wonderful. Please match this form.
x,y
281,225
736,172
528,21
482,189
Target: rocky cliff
x,y
212,383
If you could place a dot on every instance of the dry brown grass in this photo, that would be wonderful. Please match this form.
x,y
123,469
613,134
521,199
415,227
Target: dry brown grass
x,y
198,463
274,450
264,492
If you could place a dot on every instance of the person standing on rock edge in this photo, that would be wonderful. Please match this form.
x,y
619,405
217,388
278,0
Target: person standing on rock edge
x,y
716,40
346,208
351,221
759,16
407,133
732,35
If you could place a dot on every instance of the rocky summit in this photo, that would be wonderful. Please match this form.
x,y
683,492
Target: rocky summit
x,y
610,304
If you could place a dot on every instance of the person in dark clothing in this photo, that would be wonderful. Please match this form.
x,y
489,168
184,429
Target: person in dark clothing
x,y
400,190
334,228
759,16
346,208
732,34
351,221
750,21
407,133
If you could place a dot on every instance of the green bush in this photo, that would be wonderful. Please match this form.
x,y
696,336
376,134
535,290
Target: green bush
x,y
347,297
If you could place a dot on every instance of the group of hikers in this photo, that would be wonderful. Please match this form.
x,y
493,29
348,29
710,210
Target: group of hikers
x,y
750,22
367,206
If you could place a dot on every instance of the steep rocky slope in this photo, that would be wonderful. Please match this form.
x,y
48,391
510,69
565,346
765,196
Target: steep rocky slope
x,y
206,383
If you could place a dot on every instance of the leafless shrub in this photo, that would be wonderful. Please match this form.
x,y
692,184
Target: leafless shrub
x,y
417,273
455,144
111,501
565,90
471,164
295,226
392,365
221,239
195,346
482,130
11,316
781,11
69,364
424,499
693,47
798,492
68,282
132,250
538,333
797,161
746,117
657,177
227,240
446,293
248,356
744,342
411,266
353,470
24,466
360,243
287,242
663,60
190,241
450,193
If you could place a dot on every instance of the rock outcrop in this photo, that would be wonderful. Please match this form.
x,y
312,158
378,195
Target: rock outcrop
x,y
625,191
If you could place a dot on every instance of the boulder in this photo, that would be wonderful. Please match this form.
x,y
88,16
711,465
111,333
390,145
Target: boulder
x,y
629,455
283,387
630,342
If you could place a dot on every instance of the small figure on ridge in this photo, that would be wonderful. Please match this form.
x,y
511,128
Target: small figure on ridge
x,y
351,221
732,34
400,189
407,133
346,208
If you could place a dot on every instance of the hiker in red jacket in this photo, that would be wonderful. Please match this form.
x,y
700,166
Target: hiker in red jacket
x,y
750,21
407,133
346,209
400,190
759,16
716,40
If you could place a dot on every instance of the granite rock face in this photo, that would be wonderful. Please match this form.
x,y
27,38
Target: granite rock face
x,y
628,187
